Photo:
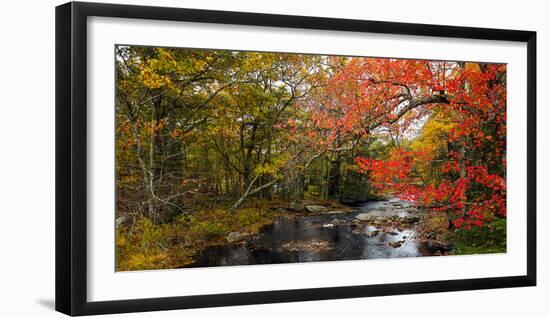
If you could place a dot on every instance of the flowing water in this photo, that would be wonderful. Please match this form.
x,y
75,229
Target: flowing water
x,y
326,237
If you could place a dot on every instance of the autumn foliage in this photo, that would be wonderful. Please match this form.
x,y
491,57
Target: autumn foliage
x,y
213,130
462,144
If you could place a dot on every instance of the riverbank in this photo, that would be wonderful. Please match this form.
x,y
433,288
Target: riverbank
x,y
277,232
434,231
142,245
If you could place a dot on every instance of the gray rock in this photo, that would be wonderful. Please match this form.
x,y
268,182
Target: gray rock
x,y
121,220
236,236
395,244
410,219
372,233
316,208
296,207
365,217
439,246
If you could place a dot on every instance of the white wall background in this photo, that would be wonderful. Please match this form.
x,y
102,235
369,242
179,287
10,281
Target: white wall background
x,y
27,158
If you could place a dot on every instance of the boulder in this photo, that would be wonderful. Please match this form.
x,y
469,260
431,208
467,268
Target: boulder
x,y
316,208
236,236
366,217
395,244
296,207
372,233
121,220
412,219
438,246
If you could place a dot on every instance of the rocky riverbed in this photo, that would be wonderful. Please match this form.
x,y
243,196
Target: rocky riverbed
x,y
378,229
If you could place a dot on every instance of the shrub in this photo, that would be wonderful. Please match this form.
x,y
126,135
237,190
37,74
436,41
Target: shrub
x,y
490,238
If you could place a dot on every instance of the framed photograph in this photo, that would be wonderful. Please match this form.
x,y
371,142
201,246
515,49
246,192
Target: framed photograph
x,y
208,158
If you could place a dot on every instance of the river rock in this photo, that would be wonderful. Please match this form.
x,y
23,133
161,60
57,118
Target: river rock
x,y
366,217
410,219
296,207
438,246
316,208
121,220
372,233
394,244
236,236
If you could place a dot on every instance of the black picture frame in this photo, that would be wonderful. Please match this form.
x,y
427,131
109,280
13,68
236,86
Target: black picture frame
x,y
71,157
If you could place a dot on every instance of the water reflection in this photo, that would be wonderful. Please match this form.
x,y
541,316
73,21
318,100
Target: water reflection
x,y
326,237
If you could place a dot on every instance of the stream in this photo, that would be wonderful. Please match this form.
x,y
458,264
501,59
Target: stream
x,y
325,237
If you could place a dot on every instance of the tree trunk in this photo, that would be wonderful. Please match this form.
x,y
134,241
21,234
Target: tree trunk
x,y
144,171
334,178
250,192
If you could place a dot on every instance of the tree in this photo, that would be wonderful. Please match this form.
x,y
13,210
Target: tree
x,y
457,164
162,95
198,129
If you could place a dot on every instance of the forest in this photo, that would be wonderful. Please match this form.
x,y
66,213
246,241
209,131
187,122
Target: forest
x,y
222,155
